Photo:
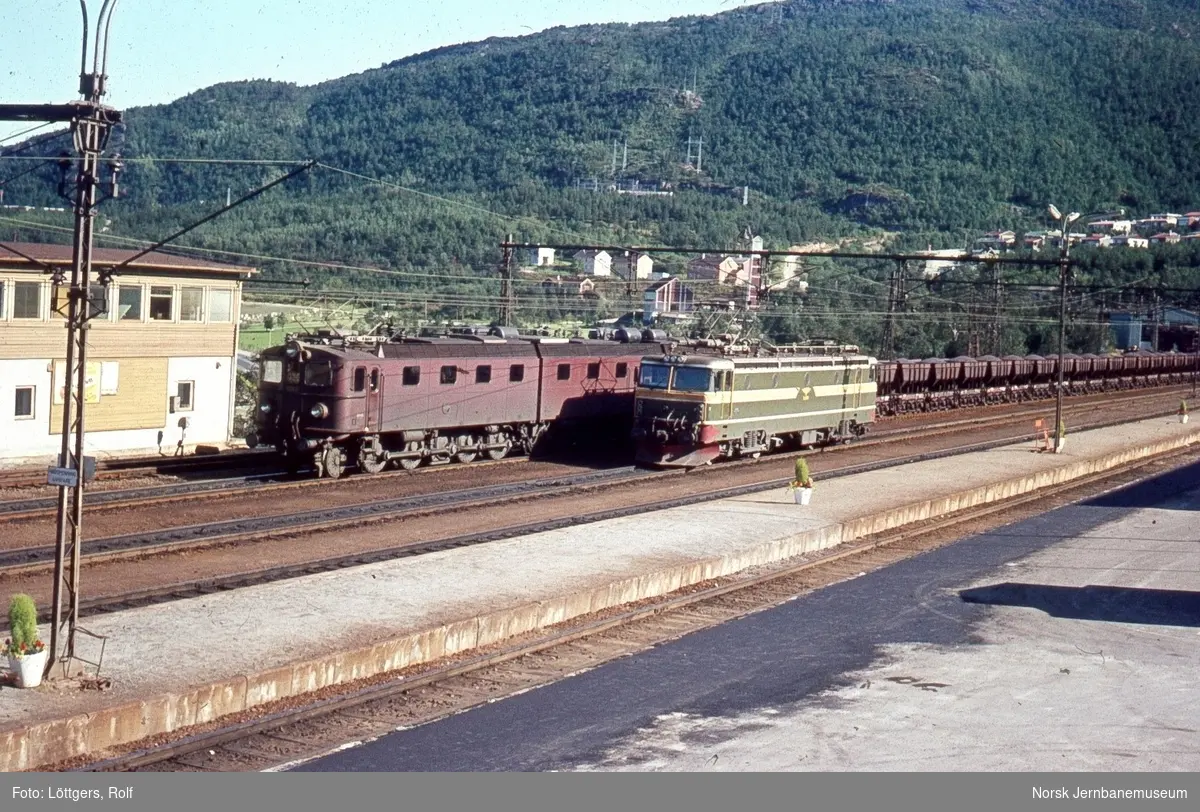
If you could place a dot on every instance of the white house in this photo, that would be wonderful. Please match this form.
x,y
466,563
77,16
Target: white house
x,y
541,257
595,263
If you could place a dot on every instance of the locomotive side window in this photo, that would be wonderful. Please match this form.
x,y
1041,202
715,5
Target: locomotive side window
x,y
318,373
360,379
449,374
412,376
516,373
272,371
564,372
375,380
593,370
622,369
483,374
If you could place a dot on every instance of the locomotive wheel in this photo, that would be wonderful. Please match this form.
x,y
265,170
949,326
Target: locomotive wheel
x,y
496,453
335,462
371,464
465,456
409,463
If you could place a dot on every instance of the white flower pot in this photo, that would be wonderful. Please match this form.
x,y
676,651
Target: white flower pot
x,y
1183,418
1060,445
803,496
29,668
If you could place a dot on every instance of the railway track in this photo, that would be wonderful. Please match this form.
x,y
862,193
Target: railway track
x,y
291,731
280,481
147,466
197,537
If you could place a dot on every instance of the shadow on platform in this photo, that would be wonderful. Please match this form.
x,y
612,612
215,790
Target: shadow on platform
x,y
1115,604
1154,491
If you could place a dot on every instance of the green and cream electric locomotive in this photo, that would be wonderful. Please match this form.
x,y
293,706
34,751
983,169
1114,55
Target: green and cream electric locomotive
x,y
693,409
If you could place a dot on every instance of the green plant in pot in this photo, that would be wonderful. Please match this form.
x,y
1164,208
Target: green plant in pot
x,y
1183,411
803,483
26,652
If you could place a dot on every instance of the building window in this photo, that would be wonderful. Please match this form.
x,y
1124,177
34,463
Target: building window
x,y
27,300
360,379
183,396
516,373
191,304
564,372
220,305
129,303
161,302
449,374
593,370
412,376
23,408
483,374
622,369
3,288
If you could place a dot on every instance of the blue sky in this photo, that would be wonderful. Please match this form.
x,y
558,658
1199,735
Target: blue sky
x,y
160,50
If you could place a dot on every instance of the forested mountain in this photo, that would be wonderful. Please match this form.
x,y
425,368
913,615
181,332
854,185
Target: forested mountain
x,y
937,119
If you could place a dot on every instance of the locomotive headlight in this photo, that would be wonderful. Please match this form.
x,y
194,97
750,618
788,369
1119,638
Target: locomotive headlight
x,y
292,350
265,408
319,411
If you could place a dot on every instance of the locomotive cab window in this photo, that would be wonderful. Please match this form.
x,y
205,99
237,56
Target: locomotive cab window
x,y
272,371
411,376
622,369
564,372
593,370
655,376
516,373
449,374
360,379
483,374
375,380
693,379
318,373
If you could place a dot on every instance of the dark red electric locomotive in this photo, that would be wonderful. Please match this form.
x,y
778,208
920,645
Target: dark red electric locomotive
x,y
341,402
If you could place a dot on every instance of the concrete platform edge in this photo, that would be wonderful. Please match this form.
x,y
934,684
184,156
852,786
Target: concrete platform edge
x,y
46,743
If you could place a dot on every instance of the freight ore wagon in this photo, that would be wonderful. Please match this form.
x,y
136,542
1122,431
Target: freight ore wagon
x,y
695,409
934,384
341,403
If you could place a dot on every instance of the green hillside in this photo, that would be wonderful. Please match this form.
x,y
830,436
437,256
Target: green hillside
x,y
938,119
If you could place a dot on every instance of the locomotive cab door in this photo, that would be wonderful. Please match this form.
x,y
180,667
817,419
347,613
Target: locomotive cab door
x,y
723,386
374,400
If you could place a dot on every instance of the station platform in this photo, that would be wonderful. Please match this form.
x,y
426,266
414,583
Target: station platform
x,y
194,661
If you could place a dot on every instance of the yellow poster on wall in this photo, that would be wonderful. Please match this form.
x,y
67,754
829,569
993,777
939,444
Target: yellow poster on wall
x,y
91,384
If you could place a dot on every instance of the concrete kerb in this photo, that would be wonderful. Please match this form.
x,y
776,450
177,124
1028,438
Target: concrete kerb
x,y
58,740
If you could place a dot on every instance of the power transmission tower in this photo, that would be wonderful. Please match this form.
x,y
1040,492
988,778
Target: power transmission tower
x,y
697,159
91,125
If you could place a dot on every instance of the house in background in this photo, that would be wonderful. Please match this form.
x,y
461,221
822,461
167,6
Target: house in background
x,y
595,263
541,257
666,297
162,359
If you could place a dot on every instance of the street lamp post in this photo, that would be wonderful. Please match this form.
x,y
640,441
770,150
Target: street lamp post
x,y
1063,272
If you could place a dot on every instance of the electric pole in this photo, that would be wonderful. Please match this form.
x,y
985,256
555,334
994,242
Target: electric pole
x,y
506,291
91,125
887,344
